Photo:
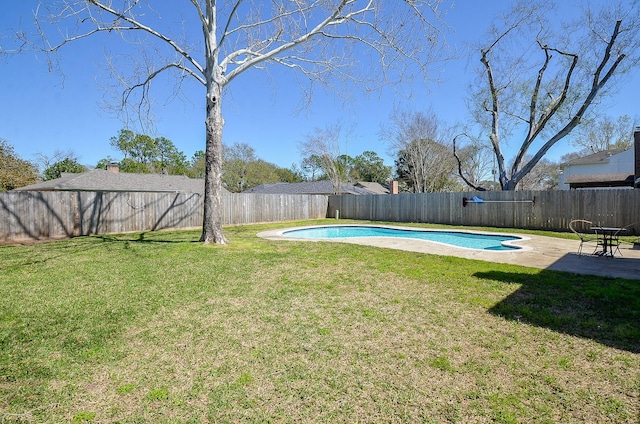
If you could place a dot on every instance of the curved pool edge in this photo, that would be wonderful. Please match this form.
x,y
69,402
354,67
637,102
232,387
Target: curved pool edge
x,y
396,243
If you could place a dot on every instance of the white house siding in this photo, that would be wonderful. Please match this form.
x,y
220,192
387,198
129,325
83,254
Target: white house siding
x,y
621,162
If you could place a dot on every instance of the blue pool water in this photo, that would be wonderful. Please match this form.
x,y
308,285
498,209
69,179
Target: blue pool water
x,y
454,238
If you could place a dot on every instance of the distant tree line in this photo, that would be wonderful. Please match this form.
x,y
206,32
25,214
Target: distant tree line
x,y
241,168
424,158
141,153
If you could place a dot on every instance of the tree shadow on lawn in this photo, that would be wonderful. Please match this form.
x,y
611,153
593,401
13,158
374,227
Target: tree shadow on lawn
x,y
148,237
603,309
82,244
46,251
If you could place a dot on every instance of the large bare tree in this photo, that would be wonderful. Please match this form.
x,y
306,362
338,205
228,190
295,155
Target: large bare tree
x,y
541,77
370,42
325,146
424,160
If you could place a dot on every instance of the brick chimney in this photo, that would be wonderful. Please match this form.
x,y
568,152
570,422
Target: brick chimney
x,y
636,152
393,187
113,167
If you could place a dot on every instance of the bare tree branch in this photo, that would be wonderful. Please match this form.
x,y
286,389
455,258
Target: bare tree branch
x,y
318,39
564,88
596,86
325,145
460,172
417,140
137,25
537,125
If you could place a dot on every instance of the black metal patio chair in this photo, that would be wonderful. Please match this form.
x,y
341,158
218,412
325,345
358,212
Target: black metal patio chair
x,y
628,229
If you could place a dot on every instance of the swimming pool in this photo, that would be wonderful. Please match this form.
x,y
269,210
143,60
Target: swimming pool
x,y
478,241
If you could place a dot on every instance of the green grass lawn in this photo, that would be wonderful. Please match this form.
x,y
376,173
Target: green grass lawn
x,y
156,327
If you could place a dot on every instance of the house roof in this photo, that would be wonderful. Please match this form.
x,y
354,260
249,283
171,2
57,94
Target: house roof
x,y
598,157
101,180
376,188
307,187
619,179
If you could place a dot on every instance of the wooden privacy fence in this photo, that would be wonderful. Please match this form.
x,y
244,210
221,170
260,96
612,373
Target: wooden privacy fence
x,y
41,215
552,210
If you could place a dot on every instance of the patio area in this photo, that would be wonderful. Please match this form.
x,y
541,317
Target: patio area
x,y
560,255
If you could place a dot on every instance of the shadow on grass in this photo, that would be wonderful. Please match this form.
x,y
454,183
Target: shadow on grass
x,y
606,310
150,237
43,252
55,249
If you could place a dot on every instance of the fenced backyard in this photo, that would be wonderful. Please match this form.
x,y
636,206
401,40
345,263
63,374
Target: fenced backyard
x,y
42,215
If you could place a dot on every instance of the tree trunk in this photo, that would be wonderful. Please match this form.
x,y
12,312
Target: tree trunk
x,y
212,219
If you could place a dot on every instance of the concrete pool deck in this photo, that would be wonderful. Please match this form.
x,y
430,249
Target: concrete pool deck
x,y
539,252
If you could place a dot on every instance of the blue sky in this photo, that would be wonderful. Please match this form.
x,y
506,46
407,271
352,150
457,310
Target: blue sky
x,y
42,111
